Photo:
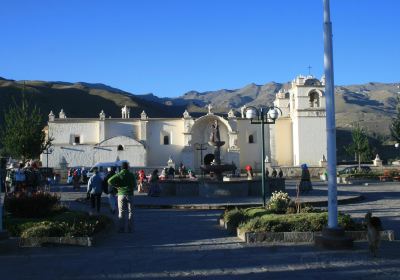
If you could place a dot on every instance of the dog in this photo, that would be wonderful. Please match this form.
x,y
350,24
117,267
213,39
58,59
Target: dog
x,y
374,226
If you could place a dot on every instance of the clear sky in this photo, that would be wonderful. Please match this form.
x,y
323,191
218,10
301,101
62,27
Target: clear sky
x,y
169,47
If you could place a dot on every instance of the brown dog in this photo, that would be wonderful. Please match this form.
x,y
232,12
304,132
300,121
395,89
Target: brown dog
x,y
374,226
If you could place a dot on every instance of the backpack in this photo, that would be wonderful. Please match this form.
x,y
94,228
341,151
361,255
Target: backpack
x,y
19,175
104,186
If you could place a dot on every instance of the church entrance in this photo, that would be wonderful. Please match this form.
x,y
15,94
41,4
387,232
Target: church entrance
x,y
208,159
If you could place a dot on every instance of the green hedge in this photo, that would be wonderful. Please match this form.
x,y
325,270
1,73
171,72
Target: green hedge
x,y
68,223
296,222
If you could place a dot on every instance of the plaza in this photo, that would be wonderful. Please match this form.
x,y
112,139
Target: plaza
x,y
188,244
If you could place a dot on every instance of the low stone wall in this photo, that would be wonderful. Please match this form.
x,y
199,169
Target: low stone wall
x,y
41,241
255,237
208,188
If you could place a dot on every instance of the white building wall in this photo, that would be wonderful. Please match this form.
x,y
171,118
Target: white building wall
x,y
122,127
250,154
158,153
310,145
65,130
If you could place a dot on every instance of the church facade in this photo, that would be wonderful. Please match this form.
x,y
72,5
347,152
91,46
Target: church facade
x,y
298,135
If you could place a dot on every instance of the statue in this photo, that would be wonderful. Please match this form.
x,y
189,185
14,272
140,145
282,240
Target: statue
x,y
215,136
209,106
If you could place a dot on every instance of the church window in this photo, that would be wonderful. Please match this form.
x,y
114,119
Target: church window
x,y
251,139
120,148
314,99
166,140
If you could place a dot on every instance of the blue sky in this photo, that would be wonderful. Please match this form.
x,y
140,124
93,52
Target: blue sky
x,y
169,47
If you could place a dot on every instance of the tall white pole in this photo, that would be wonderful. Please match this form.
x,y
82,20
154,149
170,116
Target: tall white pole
x,y
330,118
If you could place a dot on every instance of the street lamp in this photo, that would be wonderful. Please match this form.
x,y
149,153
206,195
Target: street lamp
x,y
201,147
47,152
264,115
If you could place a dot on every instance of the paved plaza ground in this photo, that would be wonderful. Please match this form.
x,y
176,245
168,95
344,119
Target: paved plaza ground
x,y
188,244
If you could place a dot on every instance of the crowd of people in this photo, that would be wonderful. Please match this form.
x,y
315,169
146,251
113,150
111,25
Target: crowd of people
x,y
28,178
76,176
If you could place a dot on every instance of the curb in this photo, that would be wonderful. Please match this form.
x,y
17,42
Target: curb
x,y
304,237
42,241
224,206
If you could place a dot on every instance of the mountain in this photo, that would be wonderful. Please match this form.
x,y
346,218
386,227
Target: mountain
x,y
79,99
371,104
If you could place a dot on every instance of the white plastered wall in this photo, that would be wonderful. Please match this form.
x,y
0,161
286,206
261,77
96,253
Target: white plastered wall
x,y
250,153
158,153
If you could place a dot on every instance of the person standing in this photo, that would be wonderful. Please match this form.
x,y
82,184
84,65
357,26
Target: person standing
x,y
154,187
305,181
125,182
76,180
111,190
94,190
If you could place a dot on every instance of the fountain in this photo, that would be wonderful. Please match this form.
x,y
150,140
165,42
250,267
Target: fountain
x,y
216,167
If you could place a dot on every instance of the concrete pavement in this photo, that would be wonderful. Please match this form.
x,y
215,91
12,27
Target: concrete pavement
x,y
188,244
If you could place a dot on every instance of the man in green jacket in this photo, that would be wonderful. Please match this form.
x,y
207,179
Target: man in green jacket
x,y
125,182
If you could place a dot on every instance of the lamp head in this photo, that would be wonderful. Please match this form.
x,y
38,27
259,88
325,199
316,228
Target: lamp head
x,y
251,113
397,145
273,114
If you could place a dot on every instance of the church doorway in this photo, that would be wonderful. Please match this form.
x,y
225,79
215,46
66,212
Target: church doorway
x,y
208,159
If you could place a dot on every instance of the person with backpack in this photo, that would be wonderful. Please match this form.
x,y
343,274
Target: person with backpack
x,y
110,190
125,182
19,178
94,190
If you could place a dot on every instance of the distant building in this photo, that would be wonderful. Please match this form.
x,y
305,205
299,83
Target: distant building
x,y
298,136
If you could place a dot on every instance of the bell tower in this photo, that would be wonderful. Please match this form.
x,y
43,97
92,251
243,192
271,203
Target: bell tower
x,y
308,114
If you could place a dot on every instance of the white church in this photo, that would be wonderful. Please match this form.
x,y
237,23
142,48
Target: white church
x,y
298,135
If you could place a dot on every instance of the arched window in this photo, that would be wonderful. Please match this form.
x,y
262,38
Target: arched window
x,y
120,148
251,139
166,140
314,99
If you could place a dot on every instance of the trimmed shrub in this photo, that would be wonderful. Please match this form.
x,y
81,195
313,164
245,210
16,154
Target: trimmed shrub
x,y
233,218
69,223
39,204
296,222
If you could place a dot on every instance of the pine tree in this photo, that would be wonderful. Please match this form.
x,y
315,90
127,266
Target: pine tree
x,y
22,134
395,126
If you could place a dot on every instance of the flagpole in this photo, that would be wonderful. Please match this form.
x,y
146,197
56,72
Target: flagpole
x,y
333,237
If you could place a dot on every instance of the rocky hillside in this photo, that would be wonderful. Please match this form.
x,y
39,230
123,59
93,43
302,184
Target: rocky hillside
x,y
372,104
79,99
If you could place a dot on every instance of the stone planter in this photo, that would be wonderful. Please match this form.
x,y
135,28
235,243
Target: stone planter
x,y
303,237
42,241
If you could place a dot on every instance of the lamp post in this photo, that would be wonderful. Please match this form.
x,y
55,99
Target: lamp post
x,y
262,116
47,152
201,147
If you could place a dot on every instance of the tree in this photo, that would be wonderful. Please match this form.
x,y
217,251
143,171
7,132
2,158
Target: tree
x,y
22,134
360,146
395,126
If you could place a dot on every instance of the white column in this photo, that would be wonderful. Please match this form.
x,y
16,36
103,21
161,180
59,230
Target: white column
x,y
330,119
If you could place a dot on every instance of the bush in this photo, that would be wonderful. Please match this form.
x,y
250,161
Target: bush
x,y
234,217
296,222
279,202
70,223
37,205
